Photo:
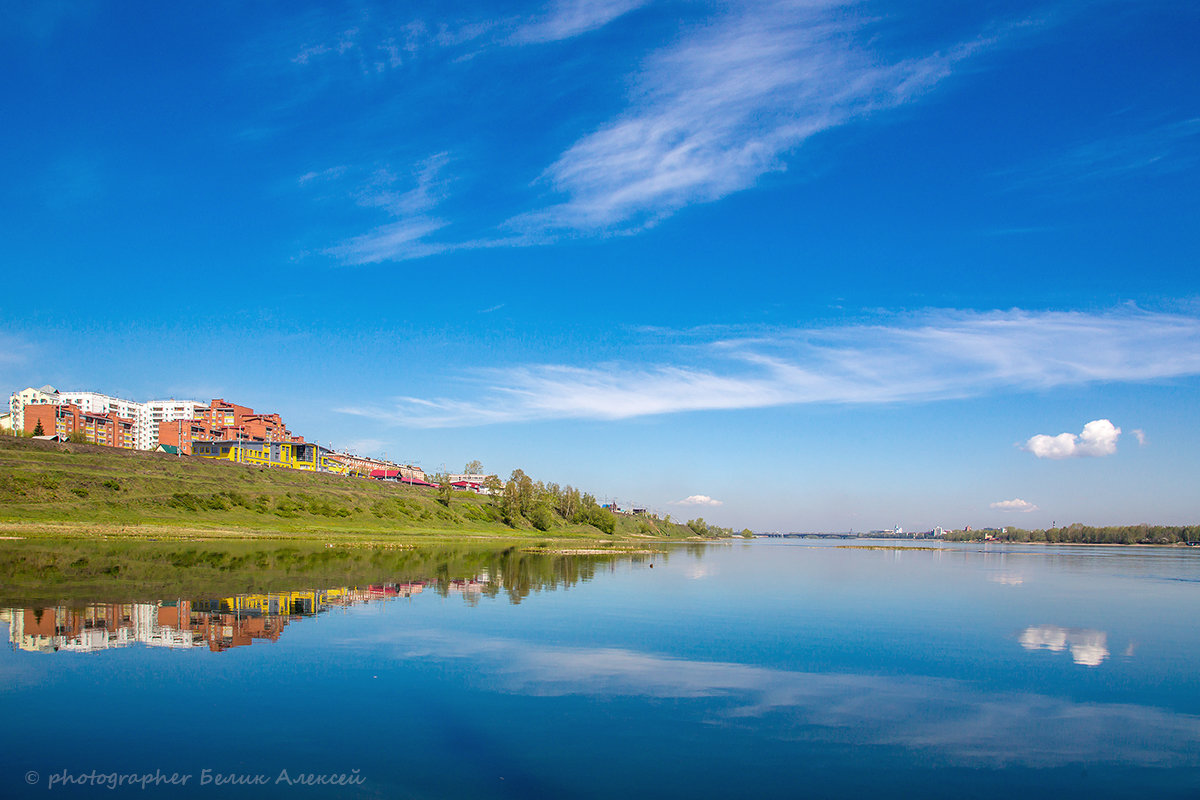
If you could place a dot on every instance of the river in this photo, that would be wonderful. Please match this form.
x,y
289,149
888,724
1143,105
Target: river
x,y
792,668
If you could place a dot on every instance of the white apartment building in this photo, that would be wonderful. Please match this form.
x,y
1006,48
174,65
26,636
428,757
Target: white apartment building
x,y
168,411
28,397
146,416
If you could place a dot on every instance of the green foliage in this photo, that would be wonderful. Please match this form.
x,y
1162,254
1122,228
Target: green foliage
x,y
473,468
541,517
510,503
525,490
77,437
1087,534
445,490
569,502
600,518
111,484
37,429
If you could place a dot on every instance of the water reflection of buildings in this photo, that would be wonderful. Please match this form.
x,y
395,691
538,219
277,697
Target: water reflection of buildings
x,y
1088,647
218,624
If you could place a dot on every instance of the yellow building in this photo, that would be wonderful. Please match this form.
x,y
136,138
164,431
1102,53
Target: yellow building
x,y
305,456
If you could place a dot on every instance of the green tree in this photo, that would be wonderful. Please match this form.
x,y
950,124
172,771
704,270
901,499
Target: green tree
x,y
601,518
569,502
77,437
525,492
541,517
473,468
510,503
37,429
747,533
445,490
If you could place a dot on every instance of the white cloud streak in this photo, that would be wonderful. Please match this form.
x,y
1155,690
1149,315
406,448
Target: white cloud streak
x,y
1016,504
933,355
1099,438
569,18
407,236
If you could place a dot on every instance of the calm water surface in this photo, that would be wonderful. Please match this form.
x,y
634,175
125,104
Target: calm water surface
x,y
790,667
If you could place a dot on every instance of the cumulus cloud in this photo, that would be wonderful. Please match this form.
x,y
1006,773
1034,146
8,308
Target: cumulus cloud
x,y
697,500
932,355
1016,504
1099,438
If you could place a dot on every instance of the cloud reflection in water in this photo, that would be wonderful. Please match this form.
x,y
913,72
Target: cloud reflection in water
x,y
1088,647
952,723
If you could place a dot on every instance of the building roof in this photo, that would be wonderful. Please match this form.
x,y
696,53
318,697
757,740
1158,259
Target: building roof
x,y
168,448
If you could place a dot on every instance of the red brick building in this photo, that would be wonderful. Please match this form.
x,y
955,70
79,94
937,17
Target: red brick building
x,y
108,429
225,421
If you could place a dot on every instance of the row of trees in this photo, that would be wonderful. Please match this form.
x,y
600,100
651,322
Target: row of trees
x,y
702,528
521,497
1087,534
540,503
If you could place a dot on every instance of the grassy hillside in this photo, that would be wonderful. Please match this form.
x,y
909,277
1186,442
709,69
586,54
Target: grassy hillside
x,y
77,489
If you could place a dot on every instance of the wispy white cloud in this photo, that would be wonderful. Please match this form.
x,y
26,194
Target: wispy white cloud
x,y
407,236
396,241
1016,504
697,500
364,445
728,101
1099,438
929,356
1140,435
716,111
15,349
1168,147
566,19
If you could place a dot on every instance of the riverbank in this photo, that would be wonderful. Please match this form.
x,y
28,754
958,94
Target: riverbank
x,y
64,490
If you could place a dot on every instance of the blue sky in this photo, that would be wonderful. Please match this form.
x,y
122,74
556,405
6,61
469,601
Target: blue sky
x,y
827,264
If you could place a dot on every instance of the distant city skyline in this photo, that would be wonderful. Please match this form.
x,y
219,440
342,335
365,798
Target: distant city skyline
x,y
797,267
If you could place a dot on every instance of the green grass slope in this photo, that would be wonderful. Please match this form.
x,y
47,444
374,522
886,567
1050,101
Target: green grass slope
x,y
49,488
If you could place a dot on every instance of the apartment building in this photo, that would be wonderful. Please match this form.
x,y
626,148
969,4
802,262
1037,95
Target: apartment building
x,y
47,395
182,433
108,429
159,412
243,421
172,418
